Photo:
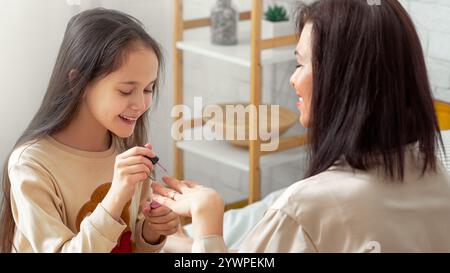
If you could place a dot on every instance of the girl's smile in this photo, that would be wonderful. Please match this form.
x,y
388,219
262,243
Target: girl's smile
x,y
128,120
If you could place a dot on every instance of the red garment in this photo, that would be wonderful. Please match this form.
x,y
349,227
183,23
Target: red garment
x,y
124,245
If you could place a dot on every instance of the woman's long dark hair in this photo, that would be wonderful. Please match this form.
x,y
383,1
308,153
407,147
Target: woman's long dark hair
x,y
371,95
94,45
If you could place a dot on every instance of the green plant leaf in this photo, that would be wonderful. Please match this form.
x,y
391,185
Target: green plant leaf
x,y
276,13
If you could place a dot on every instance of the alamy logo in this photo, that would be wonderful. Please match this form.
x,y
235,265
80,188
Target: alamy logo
x,y
373,247
230,122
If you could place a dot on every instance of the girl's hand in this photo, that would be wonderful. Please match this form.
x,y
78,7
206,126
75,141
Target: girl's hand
x,y
130,168
186,198
159,221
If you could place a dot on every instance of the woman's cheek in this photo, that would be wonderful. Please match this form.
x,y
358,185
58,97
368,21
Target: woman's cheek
x,y
305,113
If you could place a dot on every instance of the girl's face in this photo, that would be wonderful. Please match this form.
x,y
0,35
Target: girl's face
x,y
302,78
117,100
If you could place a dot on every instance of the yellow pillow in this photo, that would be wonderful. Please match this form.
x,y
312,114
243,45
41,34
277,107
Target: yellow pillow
x,y
443,114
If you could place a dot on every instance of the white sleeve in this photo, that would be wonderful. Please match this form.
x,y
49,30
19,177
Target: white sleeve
x,y
276,232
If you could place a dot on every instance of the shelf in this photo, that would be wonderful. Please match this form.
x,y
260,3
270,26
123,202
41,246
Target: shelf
x,y
226,153
238,54
193,36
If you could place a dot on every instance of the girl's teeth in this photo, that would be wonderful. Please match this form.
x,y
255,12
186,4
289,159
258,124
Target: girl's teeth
x,y
130,119
300,99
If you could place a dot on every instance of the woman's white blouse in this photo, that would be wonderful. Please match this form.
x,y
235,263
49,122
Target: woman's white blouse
x,y
344,210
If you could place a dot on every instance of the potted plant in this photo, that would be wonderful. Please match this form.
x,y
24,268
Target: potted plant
x,y
276,22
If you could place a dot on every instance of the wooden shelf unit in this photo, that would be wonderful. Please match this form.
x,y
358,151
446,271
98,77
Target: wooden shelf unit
x,y
261,51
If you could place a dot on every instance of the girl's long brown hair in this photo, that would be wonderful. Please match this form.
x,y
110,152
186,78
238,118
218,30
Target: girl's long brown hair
x,y
371,95
94,45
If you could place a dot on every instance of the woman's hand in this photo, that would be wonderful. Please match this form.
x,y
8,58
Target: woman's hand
x,y
159,221
130,168
187,198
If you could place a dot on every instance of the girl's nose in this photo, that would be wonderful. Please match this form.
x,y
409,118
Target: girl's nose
x,y
139,102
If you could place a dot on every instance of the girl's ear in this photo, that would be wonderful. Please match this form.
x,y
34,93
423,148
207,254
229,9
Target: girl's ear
x,y
73,75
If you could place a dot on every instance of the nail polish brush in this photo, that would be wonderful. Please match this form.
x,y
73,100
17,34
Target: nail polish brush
x,y
155,161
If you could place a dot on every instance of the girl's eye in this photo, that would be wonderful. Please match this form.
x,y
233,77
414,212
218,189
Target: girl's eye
x,y
124,93
150,91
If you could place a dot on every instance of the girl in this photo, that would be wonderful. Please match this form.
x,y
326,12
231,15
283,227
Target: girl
x,y
373,182
74,180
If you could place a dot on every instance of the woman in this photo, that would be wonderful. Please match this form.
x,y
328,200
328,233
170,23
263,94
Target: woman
x,y
373,181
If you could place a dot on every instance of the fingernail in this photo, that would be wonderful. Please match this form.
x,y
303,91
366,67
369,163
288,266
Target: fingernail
x,y
155,205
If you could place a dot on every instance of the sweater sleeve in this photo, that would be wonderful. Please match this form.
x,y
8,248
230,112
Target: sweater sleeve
x,y
39,215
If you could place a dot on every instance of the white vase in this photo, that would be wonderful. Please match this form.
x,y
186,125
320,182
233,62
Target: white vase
x,y
276,29
224,23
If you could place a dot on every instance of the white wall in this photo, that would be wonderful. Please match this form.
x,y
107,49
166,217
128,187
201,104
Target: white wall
x,y
432,20
28,47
